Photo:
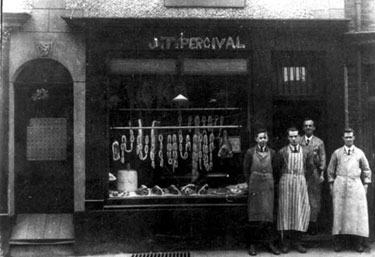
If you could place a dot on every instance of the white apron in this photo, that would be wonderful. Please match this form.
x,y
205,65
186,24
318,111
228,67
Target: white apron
x,y
350,213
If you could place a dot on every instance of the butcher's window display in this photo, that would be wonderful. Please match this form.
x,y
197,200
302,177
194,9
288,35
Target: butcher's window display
x,y
176,136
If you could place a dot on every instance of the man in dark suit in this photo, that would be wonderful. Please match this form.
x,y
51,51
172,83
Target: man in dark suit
x,y
315,179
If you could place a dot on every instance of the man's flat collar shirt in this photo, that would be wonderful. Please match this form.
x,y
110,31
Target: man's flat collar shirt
x,y
294,148
308,139
349,150
262,149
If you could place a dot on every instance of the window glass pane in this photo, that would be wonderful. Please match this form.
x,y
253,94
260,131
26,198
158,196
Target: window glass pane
x,y
215,66
142,66
285,74
303,74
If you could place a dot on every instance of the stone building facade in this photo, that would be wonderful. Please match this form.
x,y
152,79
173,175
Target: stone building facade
x,y
78,38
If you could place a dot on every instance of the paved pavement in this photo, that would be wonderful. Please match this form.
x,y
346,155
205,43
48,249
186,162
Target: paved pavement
x,y
315,249
323,251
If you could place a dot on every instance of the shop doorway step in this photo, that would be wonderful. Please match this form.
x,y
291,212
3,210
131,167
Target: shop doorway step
x,y
162,254
43,229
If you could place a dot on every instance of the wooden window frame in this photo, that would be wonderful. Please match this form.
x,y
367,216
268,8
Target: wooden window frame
x,y
310,83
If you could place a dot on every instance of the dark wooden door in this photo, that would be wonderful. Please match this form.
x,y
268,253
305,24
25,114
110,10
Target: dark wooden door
x,y
43,140
291,113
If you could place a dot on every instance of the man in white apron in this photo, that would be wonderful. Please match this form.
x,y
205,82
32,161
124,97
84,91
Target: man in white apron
x,y
294,208
349,175
314,181
258,171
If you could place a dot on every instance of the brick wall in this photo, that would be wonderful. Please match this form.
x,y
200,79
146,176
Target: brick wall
x,y
358,104
367,14
353,103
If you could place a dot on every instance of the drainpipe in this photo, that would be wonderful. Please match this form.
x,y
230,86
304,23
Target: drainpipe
x,y
358,28
358,15
346,97
4,106
359,91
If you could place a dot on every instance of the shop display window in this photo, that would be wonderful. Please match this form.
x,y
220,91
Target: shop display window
x,y
176,136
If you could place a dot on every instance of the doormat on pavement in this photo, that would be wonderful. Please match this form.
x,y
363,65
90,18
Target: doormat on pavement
x,y
43,228
162,254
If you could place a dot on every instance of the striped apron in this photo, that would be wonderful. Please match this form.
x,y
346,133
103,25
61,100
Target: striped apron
x,y
294,207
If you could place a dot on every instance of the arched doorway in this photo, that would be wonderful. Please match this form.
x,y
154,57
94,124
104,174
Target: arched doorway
x,y
43,97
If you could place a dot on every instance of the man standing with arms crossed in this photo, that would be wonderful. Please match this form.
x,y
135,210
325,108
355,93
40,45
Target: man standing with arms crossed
x,y
314,181
349,175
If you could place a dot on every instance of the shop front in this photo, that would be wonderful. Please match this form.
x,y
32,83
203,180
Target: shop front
x,y
131,119
172,105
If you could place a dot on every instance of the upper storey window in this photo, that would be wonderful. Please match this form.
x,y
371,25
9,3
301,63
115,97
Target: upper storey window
x,y
205,3
293,73
299,73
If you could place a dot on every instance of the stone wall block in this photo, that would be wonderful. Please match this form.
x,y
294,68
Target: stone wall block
x,y
48,4
24,45
56,23
336,13
368,15
259,9
320,13
75,13
350,13
38,22
70,48
336,4
67,49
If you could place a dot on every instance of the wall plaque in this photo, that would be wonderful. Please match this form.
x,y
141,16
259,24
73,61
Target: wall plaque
x,y
44,48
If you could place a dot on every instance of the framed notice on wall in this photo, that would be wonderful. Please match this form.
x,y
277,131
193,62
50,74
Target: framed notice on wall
x,y
46,139
235,143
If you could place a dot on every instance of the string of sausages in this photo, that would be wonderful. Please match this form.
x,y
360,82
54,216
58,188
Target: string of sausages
x,y
200,146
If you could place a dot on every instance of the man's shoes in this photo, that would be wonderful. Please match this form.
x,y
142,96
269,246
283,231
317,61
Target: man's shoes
x,y
300,248
252,250
359,248
273,249
338,246
285,248
311,232
312,229
366,247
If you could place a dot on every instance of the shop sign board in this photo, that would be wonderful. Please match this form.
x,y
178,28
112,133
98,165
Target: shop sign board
x,y
196,43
